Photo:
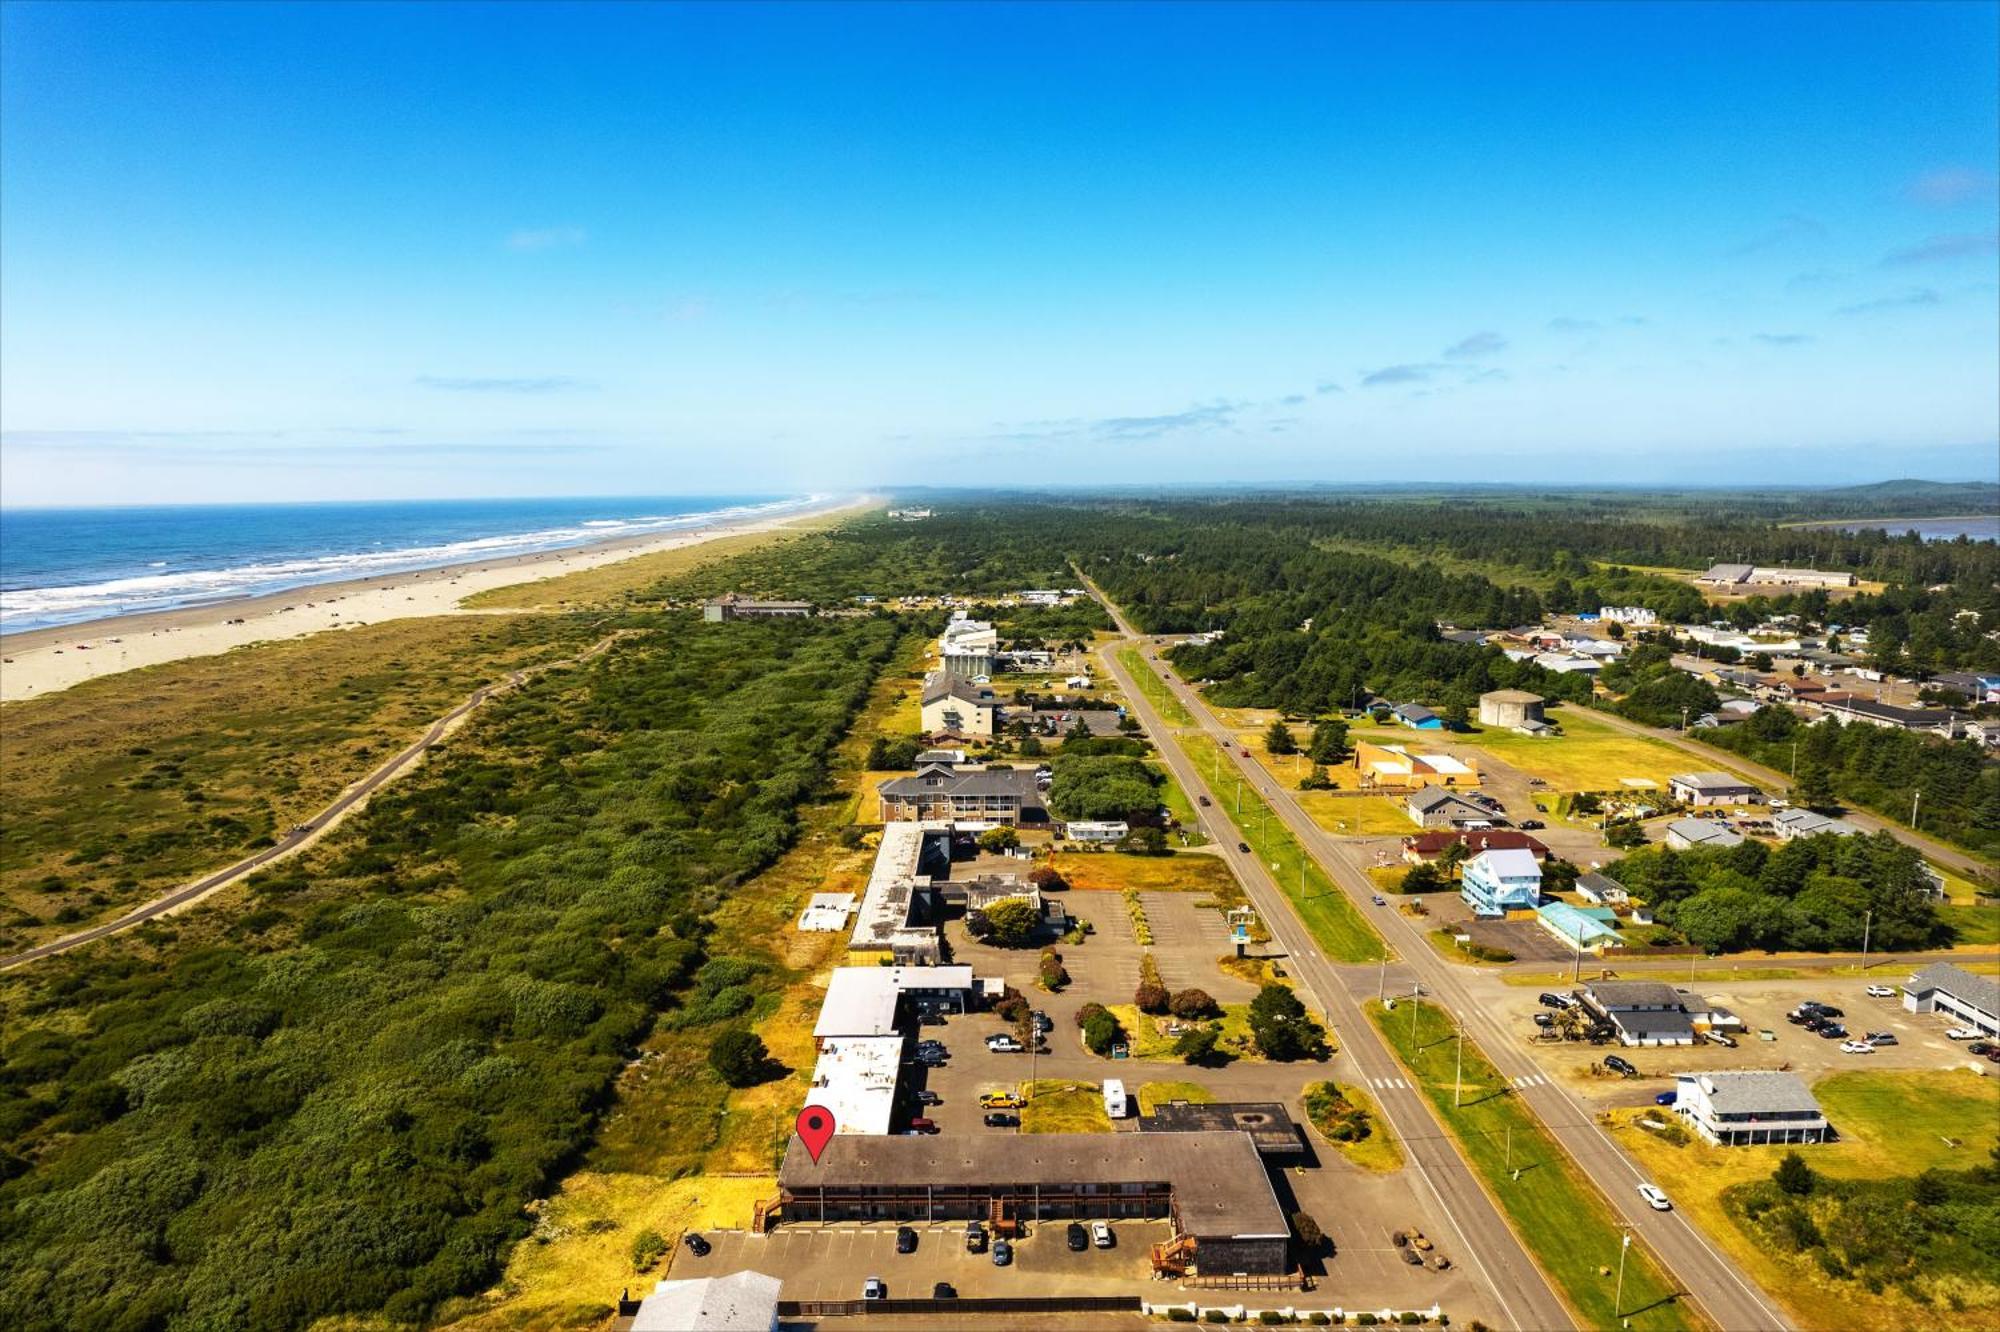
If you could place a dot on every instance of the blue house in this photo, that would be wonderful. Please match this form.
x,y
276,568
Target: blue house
x,y
1584,929
1496,882
1417,717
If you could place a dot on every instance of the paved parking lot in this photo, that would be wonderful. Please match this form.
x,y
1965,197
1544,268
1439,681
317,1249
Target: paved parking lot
x,y
830,1262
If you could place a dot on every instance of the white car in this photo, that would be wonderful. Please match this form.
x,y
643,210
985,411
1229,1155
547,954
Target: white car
x,y
1881,992
1856,1047
1963,1034
1655,1199
1004,1045
1100,1235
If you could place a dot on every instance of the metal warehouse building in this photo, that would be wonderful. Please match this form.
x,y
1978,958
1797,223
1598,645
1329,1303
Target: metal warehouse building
x,y
1211,1186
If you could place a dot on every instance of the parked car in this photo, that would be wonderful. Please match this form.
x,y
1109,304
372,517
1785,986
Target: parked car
x,y
874,1289
906,1240
1719,1038
1101,1236
1666,1098
1883,1038
1004,1045
1620,1064
1798,1019
1832,1031
1962,1034
1828,1011
1856,1047
1410,1256
697,1246
999,1100
1993,1056
1545,1019
1076,1237
944,1290
1881,992
1980,1048
1548,999
1001,1119
1003,1253
1655,1198
922,1125
1532,825
929,1097
1042,1021
975,1237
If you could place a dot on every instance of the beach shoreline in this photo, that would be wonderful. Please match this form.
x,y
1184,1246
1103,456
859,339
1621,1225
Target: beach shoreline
x,y
38,662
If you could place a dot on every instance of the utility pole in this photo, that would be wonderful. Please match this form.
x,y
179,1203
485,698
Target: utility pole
x,y
1915,796
1458,1074
1618,1300
1795,758
1867,926
1382,979
1413,1012
1510,1149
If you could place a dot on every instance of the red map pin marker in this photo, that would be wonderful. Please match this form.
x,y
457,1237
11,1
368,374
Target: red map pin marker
x,y
815,1126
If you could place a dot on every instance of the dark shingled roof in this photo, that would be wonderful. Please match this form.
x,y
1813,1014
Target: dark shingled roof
x,y
1267,1122
1219,1183
1982,992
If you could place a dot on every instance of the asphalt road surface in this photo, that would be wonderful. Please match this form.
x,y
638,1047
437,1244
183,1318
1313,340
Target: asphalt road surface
x,y
1707,1277
300,835
1517,1285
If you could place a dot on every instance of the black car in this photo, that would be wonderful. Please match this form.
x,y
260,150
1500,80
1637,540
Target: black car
x,y
1205,800
1828,1011
1981,1048
1530,825
1833,1031
696,1244
1244,847
1077,1238
1001,1119
1042,1021
1798,1019
944,1290
1545,1019
1619,1064
1548,1000
929,1097
906,1240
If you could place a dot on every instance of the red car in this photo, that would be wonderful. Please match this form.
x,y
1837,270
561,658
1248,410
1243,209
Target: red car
x,y
922,1125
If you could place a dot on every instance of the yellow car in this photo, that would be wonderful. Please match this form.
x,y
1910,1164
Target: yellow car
x,y
999,1101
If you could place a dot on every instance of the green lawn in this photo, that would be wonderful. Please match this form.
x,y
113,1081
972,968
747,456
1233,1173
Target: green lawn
x,y
1149,1042
1177,803
1333,920
1171,709
1557,1213
1064,1107
1378,1151
1153,1095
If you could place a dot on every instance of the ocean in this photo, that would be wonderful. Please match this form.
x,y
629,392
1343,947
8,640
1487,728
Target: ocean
x,y
68,566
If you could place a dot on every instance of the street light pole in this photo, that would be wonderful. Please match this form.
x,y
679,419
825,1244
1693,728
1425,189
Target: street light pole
x,y
1915,796
1618,1300
1458,1074
1867,927
1382,979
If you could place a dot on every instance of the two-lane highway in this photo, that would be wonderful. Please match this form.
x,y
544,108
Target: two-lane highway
x,y
1524,1296
1729,1299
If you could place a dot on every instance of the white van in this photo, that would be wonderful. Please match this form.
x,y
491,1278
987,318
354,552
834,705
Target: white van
x,y
1114,1098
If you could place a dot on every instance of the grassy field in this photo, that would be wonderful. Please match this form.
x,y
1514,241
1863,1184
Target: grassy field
x,y
124,787
1557,1213
1149,1042
1177,803
1152,1095
1891,1124
1064,1107
1332,919
1171,709
1358,816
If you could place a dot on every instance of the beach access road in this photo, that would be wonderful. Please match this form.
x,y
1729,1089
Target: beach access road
x,y
1705,1276
305,834
1478,1230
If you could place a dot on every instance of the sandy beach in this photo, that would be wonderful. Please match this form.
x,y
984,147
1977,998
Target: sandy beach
x,y
44,661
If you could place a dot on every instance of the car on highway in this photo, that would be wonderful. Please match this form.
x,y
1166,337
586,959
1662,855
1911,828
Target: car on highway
x,y
1004,1045
1655,1198
1380,900
1205,801
874,1288
1003,1253
1243,847
1962,1033
1001,1119
1881,992
1101,1236
1076,1237
1856,1047
696,1245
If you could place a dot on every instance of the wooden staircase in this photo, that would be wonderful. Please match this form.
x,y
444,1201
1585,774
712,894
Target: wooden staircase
x,y
1174,1257
765,1214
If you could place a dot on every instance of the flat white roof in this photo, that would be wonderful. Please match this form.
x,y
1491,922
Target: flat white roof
x,y
861,1001
1510,863
740,1302
827,912
855,1078
1445,763
885,905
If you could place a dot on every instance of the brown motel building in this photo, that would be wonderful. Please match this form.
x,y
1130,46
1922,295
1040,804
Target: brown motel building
x,y
1212,1187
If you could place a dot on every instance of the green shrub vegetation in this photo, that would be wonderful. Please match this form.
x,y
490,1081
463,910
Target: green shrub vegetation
x,y
348,1110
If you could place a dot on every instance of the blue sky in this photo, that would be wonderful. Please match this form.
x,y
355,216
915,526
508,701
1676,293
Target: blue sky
x,y
369,251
